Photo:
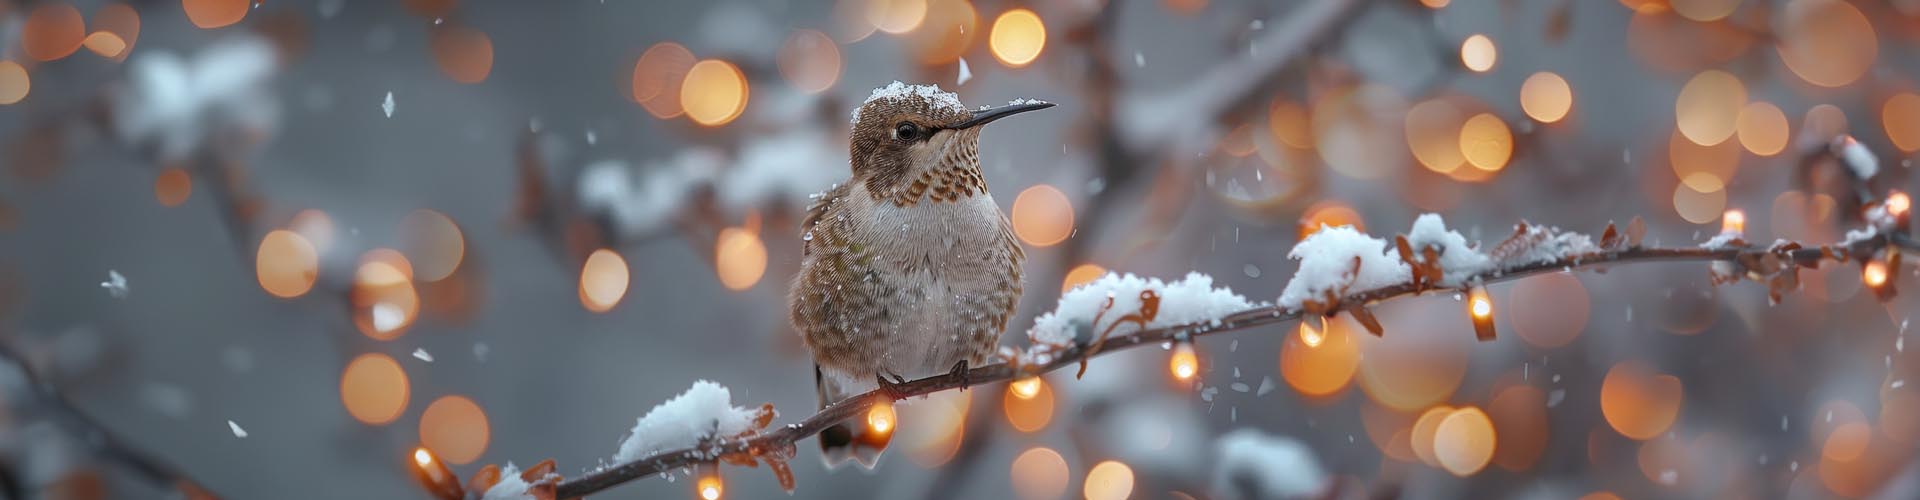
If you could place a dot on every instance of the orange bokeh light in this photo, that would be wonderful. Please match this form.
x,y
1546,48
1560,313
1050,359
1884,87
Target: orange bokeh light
x,y
1433,133
172,187
1184,364
603,280
374,389
1289,123
810,61
1324,369
1018,37
947,33
1828,43
1549,310
122,22
1081,275
1638,402
1109,480
435,242
455,428
1520,413
1042,216
1762,128
1424,430
1039,473
896,16
1485,142
210,14
14,82
714,92
1028,411
1478,53
52,31
286,264
1703,168
464,54
657,77
1464,441
740,258
1900,116
1708,109
1546,97
1330,213
384,299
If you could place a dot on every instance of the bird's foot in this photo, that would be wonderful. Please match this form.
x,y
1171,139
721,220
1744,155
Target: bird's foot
x,y
961,372
892,388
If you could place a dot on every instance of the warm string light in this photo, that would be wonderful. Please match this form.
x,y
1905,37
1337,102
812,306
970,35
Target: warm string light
x,y
1480,307
1185,363
434,476
1026,388
1311,336
1898,204
1877,274
881,418
1733,222
709,486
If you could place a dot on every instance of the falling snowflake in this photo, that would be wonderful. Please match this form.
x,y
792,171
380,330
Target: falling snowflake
x,y
422,355
115,284
387,105
237,431
965,73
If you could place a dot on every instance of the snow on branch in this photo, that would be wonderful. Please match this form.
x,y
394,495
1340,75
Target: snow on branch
x,y
703,412
1192,307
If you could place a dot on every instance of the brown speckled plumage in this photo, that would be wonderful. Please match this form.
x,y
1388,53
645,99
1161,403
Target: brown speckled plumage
x,y
909,267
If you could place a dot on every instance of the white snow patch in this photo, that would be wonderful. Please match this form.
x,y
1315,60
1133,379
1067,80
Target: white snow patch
x,y
706,409
1189,300
1457,259
1550,244
173,102
510,487
116,284
1326,265
1266,466
1858,158
938,98
1722,240
784,168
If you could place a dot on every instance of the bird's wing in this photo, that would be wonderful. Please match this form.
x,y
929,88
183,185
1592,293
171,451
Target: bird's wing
x,y
817,210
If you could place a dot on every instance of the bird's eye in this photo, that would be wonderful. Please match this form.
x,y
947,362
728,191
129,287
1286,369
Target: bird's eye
x,y
907,132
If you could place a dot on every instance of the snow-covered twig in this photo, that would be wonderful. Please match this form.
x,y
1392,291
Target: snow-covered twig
x,y
784,438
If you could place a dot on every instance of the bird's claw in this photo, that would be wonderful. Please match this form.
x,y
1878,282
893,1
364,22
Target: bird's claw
x,y
961,372
891,387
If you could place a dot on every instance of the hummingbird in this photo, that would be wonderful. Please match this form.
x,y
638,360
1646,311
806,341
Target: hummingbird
x,y
909,267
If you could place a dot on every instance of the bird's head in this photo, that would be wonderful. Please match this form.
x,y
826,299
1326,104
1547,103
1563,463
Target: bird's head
x,y
904,129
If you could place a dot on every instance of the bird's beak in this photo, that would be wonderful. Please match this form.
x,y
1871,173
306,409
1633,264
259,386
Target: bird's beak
x,y
985,116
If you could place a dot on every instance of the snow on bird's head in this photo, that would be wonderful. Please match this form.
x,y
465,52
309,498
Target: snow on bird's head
x,y
899,96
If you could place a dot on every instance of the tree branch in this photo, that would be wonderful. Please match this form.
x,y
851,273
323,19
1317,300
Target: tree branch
x,y
101,438
783,439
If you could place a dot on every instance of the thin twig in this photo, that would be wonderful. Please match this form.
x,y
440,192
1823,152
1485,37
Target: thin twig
x,y
784,438
99,436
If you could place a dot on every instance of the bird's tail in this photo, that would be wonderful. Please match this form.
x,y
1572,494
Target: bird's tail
x,y
847,439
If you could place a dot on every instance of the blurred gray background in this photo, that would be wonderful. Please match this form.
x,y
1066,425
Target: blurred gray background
x,y
197,343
